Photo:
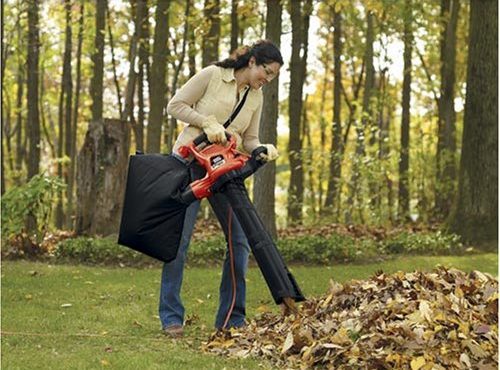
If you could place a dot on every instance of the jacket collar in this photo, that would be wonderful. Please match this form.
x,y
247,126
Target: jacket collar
x,y
228,74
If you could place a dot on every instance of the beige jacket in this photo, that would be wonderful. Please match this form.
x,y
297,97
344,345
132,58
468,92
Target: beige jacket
x,y
212,91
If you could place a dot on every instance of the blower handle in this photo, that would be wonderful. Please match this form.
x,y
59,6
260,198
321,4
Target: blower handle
x,y
202,138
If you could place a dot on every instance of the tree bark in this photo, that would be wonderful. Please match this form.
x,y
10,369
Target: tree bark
x,y
4,60
265,178
172,128
33,123
65,105
192,51
142,25
128,110
476,215
308,160
72,171
335,168
446,147
20,128
323,126
158,78
210,44
404,161
234,25
361,126
96,84
300,28
101,177
113,63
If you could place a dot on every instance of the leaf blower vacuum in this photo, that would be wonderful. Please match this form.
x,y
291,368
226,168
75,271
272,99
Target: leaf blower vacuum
x,y
152,224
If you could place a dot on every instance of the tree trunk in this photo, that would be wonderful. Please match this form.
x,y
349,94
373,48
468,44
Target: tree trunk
x,y
383,145
476,214
101,177
33,123
48,136
192,52
210,44
365,122
265,178
327,64
2,132
335,169
446,148
65,105
158,78
96,84
142,25
300,28
72,171
68,86
404,161
172,129
234,25
308,160
128,110
21,128
113,63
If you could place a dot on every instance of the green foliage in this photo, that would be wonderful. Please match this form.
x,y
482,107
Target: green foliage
x,y
35,198
325,250
93,251
309,249
435,244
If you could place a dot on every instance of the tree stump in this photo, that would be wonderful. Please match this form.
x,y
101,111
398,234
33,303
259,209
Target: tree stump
x,y
101,176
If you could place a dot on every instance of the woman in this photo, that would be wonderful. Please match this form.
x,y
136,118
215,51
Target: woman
x,y
205,102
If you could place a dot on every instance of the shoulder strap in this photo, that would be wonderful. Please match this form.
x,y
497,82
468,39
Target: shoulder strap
x,y
237,110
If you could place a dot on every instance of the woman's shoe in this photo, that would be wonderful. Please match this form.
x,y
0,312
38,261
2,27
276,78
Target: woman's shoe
x,y
174,331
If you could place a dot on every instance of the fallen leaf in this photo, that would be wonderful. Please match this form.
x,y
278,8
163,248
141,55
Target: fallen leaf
x,y
417,363
288,342
465,360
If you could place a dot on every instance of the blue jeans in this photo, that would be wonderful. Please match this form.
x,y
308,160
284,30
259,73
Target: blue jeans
x,y
171,309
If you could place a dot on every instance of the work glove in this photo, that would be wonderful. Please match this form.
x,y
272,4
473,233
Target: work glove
x,y
214,130
272,153
236,136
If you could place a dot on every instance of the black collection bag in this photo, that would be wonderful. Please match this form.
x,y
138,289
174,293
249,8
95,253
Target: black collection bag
x,y
153,215
153,212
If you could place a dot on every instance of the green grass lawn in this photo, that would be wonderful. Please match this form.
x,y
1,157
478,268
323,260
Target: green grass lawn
x,y
113,321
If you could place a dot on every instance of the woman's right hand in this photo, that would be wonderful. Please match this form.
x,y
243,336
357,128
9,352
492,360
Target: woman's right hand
x,y
214,130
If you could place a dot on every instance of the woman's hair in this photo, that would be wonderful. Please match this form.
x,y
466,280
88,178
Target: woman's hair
x,y
264,51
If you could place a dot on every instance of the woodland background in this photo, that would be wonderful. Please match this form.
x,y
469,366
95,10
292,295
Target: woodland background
x,y
385,112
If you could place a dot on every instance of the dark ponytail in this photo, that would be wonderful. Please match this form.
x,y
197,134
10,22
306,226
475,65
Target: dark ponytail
x,y
264,52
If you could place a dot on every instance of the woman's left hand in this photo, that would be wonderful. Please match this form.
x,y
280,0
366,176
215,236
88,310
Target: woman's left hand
x,y
272,152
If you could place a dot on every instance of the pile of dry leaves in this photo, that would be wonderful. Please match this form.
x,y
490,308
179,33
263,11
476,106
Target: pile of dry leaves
x,y
446,319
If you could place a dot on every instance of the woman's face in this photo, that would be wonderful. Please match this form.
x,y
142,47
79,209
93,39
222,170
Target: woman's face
x,y
259,75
